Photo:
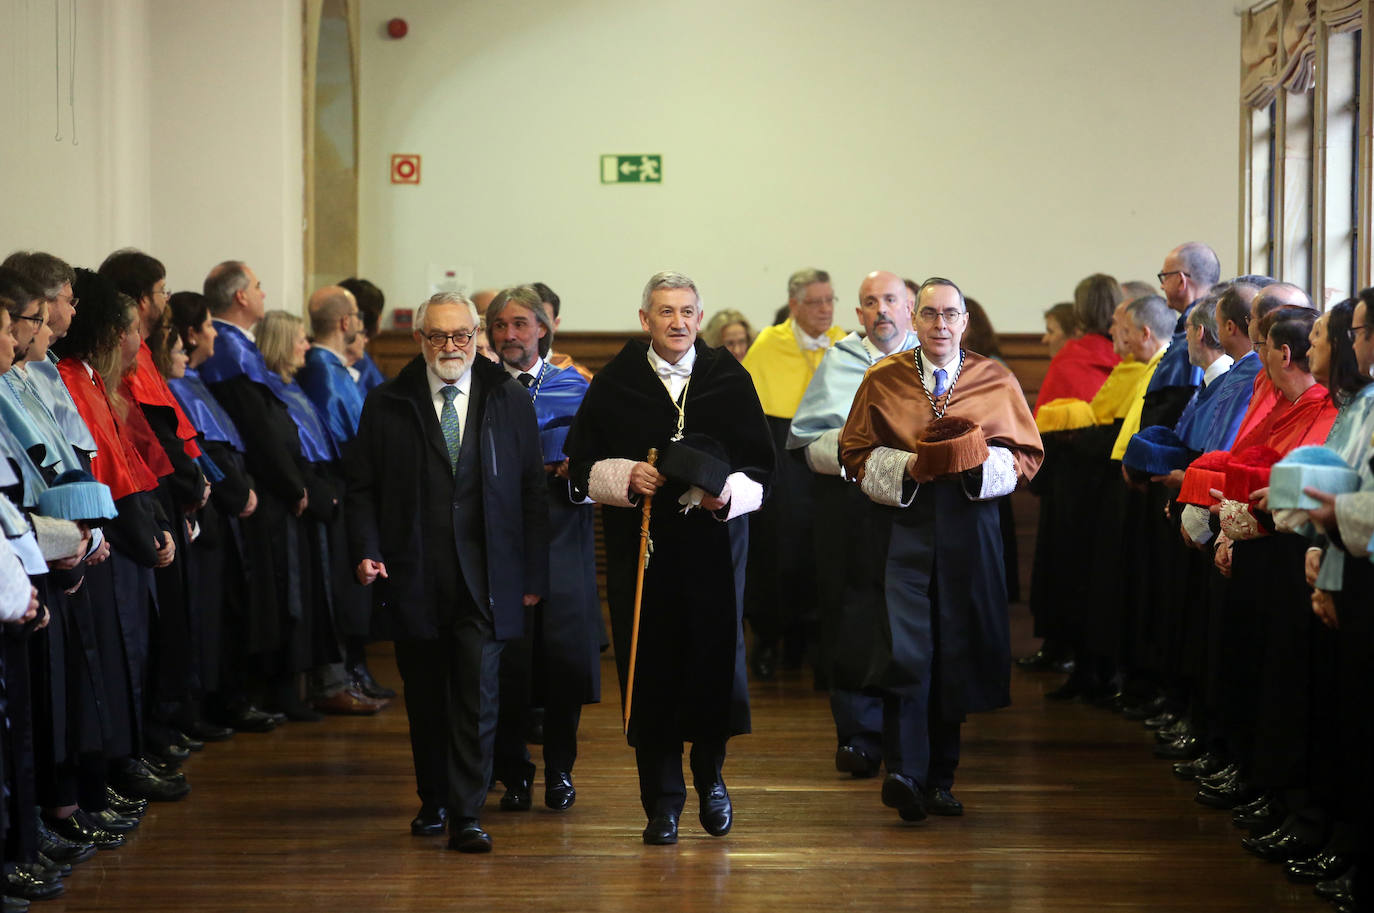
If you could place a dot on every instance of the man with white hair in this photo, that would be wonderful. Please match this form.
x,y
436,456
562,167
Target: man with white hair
x,y
448,524
696,407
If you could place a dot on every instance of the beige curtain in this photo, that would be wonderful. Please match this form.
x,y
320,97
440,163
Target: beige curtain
x,y
1340,15
1259,56
1299,45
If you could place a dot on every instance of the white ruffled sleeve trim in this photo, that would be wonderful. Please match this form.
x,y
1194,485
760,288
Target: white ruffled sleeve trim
x,y
823,454
999,474
1355,520
746,496
885,480
1197,522
609,482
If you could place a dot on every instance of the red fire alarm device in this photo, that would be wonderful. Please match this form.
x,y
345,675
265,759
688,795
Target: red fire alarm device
x,y
397,28
405,169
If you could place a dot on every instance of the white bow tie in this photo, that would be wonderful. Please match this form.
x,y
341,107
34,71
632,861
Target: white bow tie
x,y
812,345
679,370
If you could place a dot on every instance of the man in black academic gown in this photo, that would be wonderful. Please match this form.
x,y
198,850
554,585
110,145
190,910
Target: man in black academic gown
x,y
697,407
448,523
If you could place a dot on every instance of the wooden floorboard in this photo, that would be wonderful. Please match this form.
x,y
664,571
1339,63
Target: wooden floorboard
x,y
1067,811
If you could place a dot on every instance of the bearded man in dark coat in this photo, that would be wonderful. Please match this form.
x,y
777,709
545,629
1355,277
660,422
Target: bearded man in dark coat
x,y
697,407
448,524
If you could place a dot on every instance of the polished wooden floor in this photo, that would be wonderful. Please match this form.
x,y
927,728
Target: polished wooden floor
x,y
1066,811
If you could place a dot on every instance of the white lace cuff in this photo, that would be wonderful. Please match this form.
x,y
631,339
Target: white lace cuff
x,y
1355,520
745,496
14,584
885,480
1238,523
823,454
999,474
1197,523
57,539
609,482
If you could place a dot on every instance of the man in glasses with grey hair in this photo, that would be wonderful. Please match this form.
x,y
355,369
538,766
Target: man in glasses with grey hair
x,y
448,525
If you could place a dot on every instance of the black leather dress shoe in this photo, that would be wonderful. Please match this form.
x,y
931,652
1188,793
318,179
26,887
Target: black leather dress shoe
x,y
900,792
1320,867
1218,777
109,819
1150,708
129,808
1037,660
75,831
1335,888
1279,846
429,822
470,838
517,796
168,770
364,682
207,731
940,801
59,848
1174,731
1258,813
716,811
661,830
559,794
1184,748
849,759
20,882
13,904
190,743
1227,795
168,754
50,869
1160,720
135,778
1203,765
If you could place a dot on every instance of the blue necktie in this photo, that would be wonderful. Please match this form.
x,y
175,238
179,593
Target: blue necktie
x,y
941,382
448,423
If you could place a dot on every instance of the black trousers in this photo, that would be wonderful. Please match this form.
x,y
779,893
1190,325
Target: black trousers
x,y
662,789
858,720
451,693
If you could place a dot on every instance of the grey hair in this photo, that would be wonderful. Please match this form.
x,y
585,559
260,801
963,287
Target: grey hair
x,y
225,281
527,296
666,279
798,281
1200,263
43,268
1204,317
1153,312
446,298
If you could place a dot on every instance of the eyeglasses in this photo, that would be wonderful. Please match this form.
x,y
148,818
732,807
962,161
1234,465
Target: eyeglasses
x,y
71,299
1173,272
1352,330
930,316
157,291
459,339
39,321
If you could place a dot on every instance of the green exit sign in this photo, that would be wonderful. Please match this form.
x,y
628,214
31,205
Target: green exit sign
x,y
632,169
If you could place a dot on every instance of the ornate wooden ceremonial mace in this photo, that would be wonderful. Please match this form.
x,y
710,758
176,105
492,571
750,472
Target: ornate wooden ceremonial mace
x,y
644,546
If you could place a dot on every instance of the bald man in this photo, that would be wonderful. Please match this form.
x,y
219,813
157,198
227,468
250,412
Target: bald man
x,y
335,323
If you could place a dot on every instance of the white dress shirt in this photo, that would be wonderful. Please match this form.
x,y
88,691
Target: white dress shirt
x,y
535,369
928,371
1216,369
674,376
809,343
460,402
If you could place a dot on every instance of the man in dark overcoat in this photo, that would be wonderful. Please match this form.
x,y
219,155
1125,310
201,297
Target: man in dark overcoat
x,y
448,523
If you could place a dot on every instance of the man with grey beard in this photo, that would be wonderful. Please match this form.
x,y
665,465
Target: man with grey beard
x,y
448,524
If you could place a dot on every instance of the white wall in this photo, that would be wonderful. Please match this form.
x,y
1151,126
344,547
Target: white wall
x,y
1013,147
189,125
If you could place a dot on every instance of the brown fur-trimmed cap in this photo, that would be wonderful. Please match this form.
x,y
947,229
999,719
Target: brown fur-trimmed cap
x,y
950,445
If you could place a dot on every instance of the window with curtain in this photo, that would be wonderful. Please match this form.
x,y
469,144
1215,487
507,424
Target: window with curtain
x,y
1301,84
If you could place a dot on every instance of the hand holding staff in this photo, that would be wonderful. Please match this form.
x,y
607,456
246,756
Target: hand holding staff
x,y
645,480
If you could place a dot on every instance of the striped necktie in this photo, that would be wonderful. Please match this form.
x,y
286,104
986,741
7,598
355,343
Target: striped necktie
x,y
448,422
941,382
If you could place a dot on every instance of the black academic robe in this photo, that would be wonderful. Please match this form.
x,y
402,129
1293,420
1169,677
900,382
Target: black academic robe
x,y
690,678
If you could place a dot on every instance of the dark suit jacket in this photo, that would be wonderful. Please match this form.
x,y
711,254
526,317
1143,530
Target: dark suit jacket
x,y
481,534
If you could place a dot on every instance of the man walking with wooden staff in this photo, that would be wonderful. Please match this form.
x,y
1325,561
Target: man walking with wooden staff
x,y
697,407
